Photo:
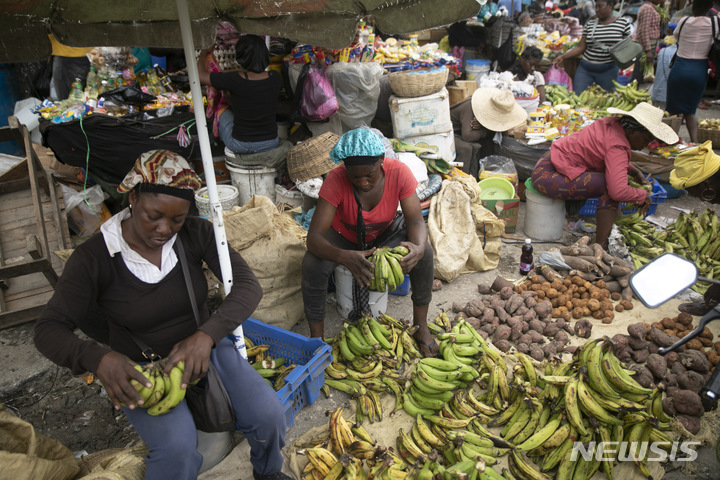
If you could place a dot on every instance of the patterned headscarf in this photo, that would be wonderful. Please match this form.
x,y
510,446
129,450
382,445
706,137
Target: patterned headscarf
x,y
162,171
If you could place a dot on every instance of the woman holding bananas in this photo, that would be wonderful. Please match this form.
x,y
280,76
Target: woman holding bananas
x,y
358,212
130,277
595,162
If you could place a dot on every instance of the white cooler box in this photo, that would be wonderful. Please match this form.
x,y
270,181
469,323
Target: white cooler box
x,y
442,145
420,115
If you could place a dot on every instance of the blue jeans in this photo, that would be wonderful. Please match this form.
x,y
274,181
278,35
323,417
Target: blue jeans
x,y
600,73
172,438
225,128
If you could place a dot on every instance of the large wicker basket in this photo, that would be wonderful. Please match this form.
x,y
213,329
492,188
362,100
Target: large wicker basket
x,y
705,134
418,83
311,158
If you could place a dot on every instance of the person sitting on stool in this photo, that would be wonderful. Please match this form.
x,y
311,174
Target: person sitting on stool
x,y
251,126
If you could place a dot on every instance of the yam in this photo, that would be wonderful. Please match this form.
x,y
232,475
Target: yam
x,y
458,307
669,406
657,366
670,380
543,308
643,376
536,337
516,332
678,368
561,337
579,264
537,325
499,283
583,328
619,341
525,338
671,358
550,274
624,281
689,403
502,345
691,381
620,271
694,360
613,287
550,349
637,344
489,328
502,333
485,289
523,348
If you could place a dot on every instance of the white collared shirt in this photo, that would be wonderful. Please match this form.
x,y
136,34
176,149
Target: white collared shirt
x,y
136,263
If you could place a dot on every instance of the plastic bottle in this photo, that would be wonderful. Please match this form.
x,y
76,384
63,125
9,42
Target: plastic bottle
x,y
141,78
526,257
92,95
153,83
76,92
92,77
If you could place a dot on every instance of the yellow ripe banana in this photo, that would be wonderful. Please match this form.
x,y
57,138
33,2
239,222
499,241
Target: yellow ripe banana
x,y
409,345
323,459
426,433
336,439
358,376
376,404
525,468
361,434
158,390
419,439
362,449
257,350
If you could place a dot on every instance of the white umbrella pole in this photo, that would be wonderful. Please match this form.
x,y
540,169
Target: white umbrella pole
x,y
204,140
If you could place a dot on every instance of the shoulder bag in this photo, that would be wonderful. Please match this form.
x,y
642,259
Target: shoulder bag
x,y
208,400
624,53
714,53
679,29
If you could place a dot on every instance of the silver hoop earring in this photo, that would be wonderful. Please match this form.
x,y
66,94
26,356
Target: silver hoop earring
x,y
708,197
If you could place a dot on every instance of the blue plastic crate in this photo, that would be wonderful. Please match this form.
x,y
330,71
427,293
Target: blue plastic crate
x,y
402,289
658,196
311,355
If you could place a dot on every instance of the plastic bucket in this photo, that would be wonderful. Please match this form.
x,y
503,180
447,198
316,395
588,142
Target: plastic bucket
x,y
213,447
227,194
294,198
343,291
253,181
544,217
474,69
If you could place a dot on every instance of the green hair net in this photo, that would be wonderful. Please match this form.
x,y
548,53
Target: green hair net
x,y
361,142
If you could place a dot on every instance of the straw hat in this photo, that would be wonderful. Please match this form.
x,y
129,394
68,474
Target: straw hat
x,y
651,118
311,158
496,109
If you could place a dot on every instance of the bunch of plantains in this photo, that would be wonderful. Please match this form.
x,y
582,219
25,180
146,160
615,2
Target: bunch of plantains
x,y
691,236
387,272
470,409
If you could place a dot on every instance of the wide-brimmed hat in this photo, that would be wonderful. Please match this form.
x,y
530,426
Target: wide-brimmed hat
x,y
694,166
652,119
497,109
311,158
162,171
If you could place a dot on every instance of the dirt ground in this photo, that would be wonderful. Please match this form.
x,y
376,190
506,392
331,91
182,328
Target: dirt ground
x,y
76,412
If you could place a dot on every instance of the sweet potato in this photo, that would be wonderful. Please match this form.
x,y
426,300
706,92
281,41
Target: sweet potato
x,y
489,328
691,424
474,322
670,380
678,368
694,360
474,308
583,328
458,307
524,326
688,402
499,308
643,375
513,303
536,352
543,308
522,348
536,336
499,283
502,333
537,325
561,337
483,334
691,381
671,358
669,406
657,365
488,313
485,289
551,329
636,343
660,338
525,338
640,356
550,349
506,293
502,345
516,332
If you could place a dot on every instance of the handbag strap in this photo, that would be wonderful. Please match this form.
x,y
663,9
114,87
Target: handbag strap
x,y
188,283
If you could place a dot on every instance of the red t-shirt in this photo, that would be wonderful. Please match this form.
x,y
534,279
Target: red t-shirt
x,y
600,147
337,190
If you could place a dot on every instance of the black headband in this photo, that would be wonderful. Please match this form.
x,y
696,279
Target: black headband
x,y
361,160
184,193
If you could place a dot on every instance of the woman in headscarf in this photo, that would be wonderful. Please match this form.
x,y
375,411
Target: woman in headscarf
x,y
358,212
595,162
251,126
130,276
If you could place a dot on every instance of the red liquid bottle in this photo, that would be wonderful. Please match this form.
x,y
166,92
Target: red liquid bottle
x,y
526,258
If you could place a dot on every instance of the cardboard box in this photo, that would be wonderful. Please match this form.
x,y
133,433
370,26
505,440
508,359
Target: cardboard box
x,y
506,210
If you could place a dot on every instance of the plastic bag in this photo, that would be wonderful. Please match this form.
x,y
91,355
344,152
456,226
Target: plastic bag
x,y
41,80
318,100
499,166
357,87
84,219
558,76
128,94
505,55
553,258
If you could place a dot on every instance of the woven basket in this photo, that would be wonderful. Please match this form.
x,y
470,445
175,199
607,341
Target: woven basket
x,y
311,158
413,83
705,134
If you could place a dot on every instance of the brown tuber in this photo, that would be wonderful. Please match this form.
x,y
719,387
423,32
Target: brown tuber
x,y
583,328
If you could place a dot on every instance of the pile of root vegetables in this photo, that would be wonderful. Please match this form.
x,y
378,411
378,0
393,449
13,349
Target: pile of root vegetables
x,y
536,315
681,374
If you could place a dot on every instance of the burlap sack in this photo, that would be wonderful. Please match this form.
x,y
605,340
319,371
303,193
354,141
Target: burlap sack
x,y
274,246
26,454
465,236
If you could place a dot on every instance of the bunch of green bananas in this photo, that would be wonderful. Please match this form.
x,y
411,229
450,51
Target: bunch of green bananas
x,y
368,359
691,236
387,272
273,370
165,392
560,95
